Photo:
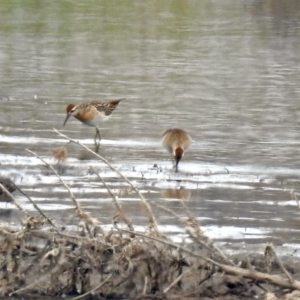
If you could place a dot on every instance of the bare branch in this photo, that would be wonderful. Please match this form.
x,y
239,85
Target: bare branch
x,y
233,270
59,177
93,290
115,201
14,200
148,208
36,206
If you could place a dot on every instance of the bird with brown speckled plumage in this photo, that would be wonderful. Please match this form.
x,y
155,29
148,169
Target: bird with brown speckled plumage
x,y
176,141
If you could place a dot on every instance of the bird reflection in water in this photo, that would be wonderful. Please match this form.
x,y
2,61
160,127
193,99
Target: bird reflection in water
x,y
177,194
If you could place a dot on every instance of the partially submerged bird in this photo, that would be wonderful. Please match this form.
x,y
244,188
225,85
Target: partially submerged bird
x,y
176,141
92,113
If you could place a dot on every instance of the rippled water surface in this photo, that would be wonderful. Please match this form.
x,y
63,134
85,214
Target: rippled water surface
x,y
228,72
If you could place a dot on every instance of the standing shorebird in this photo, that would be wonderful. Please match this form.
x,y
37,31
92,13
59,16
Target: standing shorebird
x,y
176,141
92,113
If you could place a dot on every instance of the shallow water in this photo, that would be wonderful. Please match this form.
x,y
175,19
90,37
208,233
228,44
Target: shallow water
x,y
227,72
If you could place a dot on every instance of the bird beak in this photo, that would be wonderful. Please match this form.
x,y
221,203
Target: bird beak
x,y
176,164
67,118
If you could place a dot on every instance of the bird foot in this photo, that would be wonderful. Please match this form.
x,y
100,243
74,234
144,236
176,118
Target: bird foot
x,y
97,145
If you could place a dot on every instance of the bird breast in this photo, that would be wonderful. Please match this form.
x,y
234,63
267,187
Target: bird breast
x,y
91,118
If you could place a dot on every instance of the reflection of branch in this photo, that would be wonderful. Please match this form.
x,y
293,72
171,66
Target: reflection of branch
x,y
294,197
36,207
148,208
59,177
116,202
13,199
197,235
252,274
88,220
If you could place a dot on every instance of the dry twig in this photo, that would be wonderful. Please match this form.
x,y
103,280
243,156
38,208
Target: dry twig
x,y
233,270
199,234
14,200
36,206
147,206
94,289
116,202
59,177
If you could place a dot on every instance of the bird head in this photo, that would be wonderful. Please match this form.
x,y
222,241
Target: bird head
x,y
71,111
178,153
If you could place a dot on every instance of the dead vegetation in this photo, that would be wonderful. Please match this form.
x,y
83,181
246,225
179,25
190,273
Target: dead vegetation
x,y
40,259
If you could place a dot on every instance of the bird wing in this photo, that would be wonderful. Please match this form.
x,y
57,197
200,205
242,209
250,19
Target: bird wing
x,y
106,107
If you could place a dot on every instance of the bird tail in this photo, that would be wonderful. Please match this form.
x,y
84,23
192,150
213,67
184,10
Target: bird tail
x,y
116,102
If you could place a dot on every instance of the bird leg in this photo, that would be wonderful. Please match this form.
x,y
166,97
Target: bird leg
x,y
175,163
97,134
97,140
97,148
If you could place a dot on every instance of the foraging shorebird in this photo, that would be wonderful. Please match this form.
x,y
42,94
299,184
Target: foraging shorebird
x,y
92,113
176,141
